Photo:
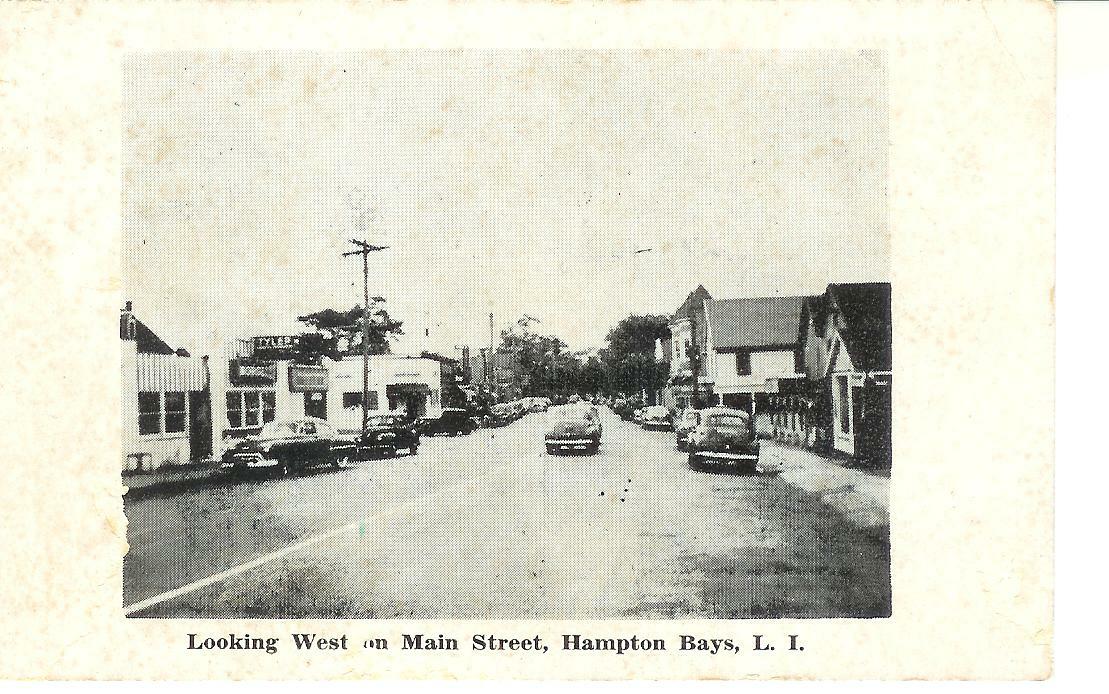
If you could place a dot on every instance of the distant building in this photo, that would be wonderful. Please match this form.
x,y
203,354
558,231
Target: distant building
x,y
688,336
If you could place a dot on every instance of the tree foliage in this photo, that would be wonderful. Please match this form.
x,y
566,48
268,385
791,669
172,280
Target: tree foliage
x,y
340,333
629,357
537,364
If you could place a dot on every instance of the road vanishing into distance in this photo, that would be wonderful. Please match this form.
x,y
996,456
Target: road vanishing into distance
x,y
489,526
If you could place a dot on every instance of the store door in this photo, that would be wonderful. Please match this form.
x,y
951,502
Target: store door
x,y
315,405
200,425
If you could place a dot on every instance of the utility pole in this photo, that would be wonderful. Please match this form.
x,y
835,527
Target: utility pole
x,y
695,362
364,250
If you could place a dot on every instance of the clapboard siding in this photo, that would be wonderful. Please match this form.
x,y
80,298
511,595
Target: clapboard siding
x,y
169,372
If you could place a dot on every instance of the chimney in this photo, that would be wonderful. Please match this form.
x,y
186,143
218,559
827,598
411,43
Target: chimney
x,y
126,323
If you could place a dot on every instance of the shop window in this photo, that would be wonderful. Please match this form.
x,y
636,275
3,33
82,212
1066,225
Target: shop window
x,y
743,363
252,408
175,412
150,413
355,400
269,406
235,410
844,404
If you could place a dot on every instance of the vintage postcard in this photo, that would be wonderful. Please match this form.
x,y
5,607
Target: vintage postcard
x,y
654,340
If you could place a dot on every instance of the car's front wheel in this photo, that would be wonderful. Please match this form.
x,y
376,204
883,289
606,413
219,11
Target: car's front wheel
x,y
551,450
695,461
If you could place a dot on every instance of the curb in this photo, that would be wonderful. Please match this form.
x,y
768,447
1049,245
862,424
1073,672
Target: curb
x,y
175,483
860,498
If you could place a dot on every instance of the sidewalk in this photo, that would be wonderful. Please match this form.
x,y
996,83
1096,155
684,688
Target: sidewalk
x,y
169,478
861,498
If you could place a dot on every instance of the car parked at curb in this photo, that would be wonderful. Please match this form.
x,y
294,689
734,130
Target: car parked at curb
x,y
656,417
451,421
575,427
501,415
724,437
385,435
292,446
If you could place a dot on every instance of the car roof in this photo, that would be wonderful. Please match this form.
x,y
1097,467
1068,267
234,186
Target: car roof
x,y
725,410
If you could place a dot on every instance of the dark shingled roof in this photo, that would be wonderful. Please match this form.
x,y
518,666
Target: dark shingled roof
x,y
693,302
146,342
867,312
759,322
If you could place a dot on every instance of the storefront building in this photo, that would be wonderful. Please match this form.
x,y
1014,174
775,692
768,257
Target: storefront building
x,y
410,385
255,382
166,416
754,352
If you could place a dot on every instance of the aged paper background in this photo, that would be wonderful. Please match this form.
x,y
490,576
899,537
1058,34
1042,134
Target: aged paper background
x,y
971,215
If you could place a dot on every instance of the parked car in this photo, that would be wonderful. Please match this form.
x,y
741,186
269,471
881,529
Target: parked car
x,y
386,434
656,417
452,421
685,423
500,415
623,408
724,437
574,427
291,445
519,408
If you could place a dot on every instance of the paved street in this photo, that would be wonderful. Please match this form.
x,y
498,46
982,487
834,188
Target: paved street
x,y
490,526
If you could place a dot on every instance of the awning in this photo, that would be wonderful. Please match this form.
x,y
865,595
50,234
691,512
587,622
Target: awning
x,y
408,389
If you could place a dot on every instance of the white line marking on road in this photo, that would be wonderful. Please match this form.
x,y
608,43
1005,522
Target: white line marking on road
x,y
307,542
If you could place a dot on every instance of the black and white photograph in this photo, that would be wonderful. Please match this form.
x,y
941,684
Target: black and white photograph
x,y
506,334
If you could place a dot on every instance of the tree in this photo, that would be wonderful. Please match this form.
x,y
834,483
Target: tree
x,y
629,359
340,333
536,364
637,334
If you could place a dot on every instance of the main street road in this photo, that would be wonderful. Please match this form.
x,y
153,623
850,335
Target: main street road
x,y
490,526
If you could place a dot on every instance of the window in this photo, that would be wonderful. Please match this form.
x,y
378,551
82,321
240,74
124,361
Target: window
x,y
150,413
251,408
743,363
235,410
269,405
175,412
844,391
355,400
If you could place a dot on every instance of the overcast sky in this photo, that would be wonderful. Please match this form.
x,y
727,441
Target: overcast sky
x,y
504,182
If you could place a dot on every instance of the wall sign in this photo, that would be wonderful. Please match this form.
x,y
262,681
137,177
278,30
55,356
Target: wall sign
x,y
275,346
252,372
307,379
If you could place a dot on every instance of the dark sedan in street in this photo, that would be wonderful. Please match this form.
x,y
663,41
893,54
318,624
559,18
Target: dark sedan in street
x,y
292,446
723,438
386,434
452,421
575,427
